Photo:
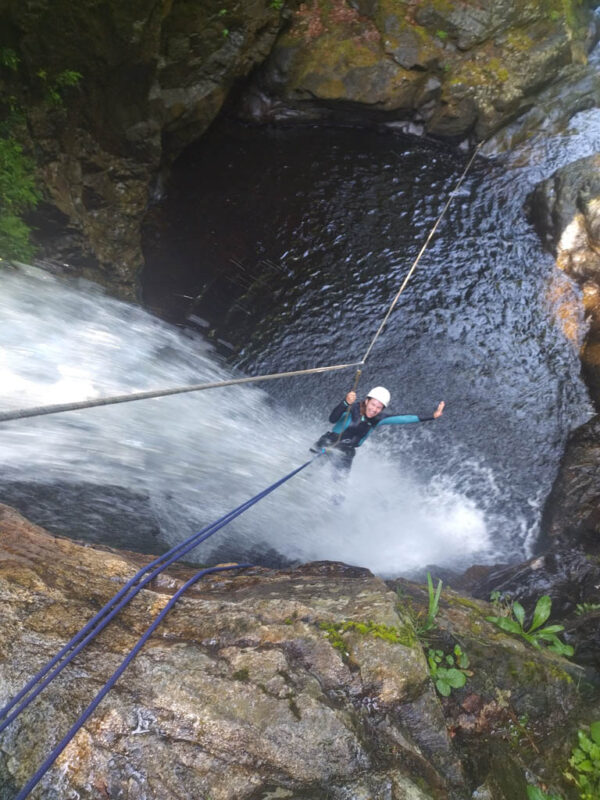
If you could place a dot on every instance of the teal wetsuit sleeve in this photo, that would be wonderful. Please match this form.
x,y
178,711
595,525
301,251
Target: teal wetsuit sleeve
x,y
400,419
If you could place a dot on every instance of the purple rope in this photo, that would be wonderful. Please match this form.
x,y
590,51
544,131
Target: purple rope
x,y
32,783
106,614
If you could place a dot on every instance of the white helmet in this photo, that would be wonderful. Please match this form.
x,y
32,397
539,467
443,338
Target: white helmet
x,y
381,394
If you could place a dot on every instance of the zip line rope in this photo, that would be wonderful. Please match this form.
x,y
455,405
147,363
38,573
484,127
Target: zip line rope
x,y
38,411
421,251
32,783
128,398
408,276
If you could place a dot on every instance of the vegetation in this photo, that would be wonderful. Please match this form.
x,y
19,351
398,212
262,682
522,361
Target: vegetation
x,y
584,768
535,793
432,610
535,634
18,191
586,608
52,87
584,763
448,671
18,194
377,630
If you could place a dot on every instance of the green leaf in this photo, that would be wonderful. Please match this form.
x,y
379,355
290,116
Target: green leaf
x,y
456,678
443,688
68,77
561,649
434,599
8,58
506,624
577,756
519,613
463,660
532,639
595,731
584,743
541,612
595,753
534,793
549,629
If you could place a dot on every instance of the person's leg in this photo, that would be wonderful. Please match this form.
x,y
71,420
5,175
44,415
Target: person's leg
x,y
326,440
342,463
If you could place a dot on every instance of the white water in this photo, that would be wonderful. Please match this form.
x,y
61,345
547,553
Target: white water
x,y
196,456
190,458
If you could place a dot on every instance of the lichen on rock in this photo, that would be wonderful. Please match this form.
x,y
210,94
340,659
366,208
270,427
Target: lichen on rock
x,y
488,60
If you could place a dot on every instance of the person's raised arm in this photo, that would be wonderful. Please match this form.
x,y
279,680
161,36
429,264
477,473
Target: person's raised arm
x,y
404,419
342,407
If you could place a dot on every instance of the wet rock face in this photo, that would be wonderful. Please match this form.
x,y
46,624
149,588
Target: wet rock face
x,y
568,566
577,89
301,683
566,212
574,502
154,76
447,68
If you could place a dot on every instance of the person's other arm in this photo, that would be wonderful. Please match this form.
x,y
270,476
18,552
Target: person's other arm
x,y
342,407
404,419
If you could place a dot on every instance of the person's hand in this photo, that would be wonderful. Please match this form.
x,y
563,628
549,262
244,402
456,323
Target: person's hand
x,y
439,410
351,398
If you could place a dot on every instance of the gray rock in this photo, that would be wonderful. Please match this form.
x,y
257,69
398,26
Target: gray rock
x,y
305,683
490,62
566,212
154,76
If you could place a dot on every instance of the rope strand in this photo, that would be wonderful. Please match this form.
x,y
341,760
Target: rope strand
x,y
87,713
421,251
128,398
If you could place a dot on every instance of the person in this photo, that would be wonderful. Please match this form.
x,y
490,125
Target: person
x,y
353,422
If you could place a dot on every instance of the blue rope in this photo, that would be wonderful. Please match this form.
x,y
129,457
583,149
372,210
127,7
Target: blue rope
x,y
124,596
114,678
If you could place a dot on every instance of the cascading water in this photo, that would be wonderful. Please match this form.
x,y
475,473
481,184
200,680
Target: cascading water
x,y
341,215
180,462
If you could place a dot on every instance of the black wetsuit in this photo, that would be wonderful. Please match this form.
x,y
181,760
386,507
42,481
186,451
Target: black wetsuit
x,y
351,428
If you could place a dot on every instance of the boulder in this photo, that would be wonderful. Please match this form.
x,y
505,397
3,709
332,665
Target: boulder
x,y
565,210
455,69
298,683
153,77
574,502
